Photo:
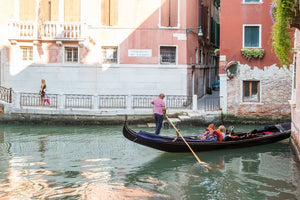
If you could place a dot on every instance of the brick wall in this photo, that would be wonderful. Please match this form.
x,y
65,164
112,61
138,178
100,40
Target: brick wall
x,y
275,92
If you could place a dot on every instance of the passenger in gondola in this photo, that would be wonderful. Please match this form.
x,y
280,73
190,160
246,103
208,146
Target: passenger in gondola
x,y
223,131
208,135
211,127
219,135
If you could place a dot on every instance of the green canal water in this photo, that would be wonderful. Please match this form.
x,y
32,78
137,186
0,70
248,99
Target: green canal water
x,y
97,162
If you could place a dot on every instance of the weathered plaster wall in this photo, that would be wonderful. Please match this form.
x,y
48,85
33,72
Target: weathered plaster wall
x,y
275,92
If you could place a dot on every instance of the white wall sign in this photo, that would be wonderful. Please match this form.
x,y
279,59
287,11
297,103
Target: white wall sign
x,y
222,57
139,52
180,36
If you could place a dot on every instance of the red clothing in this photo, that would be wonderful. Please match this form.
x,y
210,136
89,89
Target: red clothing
x,y
218,134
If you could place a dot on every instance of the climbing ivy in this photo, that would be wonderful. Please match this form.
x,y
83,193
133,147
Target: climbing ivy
x,y
283,12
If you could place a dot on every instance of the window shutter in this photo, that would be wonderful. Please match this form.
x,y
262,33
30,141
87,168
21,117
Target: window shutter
x,y
54,10
251,36
72,10
113,18
105,12
165,21
27,10
173,13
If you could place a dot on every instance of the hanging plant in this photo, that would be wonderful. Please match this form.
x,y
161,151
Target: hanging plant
x,y
253,53
283,12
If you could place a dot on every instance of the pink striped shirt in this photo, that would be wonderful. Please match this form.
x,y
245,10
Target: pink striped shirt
x,y
158,105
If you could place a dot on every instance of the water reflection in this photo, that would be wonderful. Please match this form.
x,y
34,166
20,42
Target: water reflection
x,y
65,162
251,173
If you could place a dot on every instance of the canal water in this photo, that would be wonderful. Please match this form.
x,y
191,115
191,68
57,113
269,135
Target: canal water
x,y
97,162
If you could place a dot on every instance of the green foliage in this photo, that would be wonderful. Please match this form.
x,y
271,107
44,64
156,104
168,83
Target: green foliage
x,y
217,52
253,53
281,34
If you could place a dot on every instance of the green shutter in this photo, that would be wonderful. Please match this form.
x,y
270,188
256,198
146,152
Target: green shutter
x,y
251,37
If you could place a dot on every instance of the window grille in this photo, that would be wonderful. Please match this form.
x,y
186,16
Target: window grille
x,y
109,54
167,55
27,53
71,54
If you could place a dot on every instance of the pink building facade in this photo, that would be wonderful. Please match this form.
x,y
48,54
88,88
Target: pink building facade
x,y
251,86
107,46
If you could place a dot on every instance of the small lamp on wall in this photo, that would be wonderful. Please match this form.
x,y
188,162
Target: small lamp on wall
x,y
200,32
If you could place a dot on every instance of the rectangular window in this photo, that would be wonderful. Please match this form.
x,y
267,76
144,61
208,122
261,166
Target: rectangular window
x,y
251,91
27,53
109,12
169,13
71,54
109,54
167,55
252,36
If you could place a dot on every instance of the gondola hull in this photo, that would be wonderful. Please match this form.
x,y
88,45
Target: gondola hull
x,y
168,144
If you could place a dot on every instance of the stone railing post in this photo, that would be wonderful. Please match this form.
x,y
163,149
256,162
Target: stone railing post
x,y
95,102
195,102
61,101
129,102
17,100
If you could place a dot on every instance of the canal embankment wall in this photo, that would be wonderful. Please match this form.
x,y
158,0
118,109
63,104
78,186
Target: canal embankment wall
x,y
184,118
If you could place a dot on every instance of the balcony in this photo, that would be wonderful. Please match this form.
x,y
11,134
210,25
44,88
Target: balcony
x,y
31,30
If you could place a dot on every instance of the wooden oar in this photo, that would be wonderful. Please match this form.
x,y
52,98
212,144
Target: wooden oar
x,y
178,132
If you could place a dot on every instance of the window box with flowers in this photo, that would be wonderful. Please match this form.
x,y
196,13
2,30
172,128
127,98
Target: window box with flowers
x,y
253,53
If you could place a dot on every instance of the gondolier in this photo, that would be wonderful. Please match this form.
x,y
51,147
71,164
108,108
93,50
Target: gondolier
x,y
159,111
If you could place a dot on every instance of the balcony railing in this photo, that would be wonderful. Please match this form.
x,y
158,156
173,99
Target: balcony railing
x,y
179,101
34,100
78,101
142,101
115,102
112,101
46,31
6,94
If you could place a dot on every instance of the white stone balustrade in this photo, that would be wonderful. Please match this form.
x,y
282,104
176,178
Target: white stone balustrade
x,y
46,31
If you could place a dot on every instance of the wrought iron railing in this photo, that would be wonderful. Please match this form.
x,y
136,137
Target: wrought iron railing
x,y
142,101
179,101
112,101
6,94
34,100
78,101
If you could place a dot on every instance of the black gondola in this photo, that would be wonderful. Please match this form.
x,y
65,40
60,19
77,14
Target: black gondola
x,y
268,134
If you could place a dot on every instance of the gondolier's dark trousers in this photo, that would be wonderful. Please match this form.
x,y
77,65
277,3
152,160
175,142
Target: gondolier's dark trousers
x,y
158,122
